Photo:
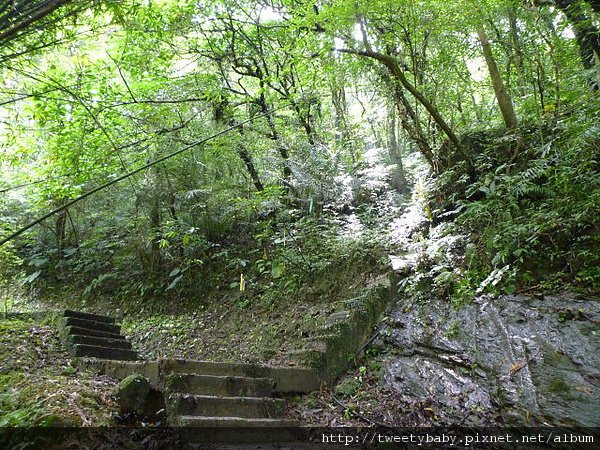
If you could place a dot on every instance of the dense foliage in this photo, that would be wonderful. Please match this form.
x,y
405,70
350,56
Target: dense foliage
x,y
532,220
498,100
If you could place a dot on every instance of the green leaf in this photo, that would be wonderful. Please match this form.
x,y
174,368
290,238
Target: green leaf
x,y
32,277
277,269
174,283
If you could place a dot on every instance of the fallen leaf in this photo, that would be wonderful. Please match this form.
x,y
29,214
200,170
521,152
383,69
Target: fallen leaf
x,y
516,368
585,390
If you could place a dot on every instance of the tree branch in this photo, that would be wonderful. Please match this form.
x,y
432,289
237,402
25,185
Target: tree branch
x,y
392,64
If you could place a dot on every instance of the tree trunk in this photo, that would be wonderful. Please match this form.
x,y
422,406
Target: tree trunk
x,y
247,159
287,172
398,177
587,36
223,117
504,101
338,98
306,122
410,124
154,217
61,232
15,21
549,35
367,117
595,5
517,51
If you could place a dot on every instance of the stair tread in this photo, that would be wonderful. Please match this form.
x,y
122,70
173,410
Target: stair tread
x,y
237,430
99,346
121,337
82,331
104,352
290,422
287,379
222,397
219,406
93,324
200,367
89,316
97,341
234,377
104,347
221,385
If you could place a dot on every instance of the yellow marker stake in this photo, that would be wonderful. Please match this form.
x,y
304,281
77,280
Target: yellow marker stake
x,y
242,283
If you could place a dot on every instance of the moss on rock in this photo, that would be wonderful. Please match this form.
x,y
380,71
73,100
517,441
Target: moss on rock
x,y
132,394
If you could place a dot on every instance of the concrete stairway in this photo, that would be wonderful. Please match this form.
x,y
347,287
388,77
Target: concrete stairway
x,y
96,336
231,402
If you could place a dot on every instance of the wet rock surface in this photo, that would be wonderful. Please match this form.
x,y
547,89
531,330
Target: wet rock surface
x,y
514,359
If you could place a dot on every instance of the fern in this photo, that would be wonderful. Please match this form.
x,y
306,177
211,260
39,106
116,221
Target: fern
x,y
528,182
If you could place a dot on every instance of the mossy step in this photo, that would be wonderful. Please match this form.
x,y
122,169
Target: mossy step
x,y
295,379
88,316
312,356
92,325
203,421
104,352
220,385
218,406
71,330
99,341
287,379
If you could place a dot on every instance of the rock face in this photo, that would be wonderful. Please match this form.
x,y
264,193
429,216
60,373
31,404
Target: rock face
x,y
514,359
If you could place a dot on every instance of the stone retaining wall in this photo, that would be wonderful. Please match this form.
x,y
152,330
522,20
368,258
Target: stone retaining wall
x,y
331,350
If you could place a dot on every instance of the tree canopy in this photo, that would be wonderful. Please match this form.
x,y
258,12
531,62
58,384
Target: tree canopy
x,y
285,99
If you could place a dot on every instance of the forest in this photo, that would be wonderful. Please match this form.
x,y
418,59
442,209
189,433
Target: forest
x,y
228,178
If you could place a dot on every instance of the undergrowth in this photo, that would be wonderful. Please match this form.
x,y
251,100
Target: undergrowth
x,y
531,213
40,386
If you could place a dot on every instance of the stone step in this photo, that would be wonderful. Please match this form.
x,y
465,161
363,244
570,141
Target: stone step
x,y
89,332
214,368
92,325
287,379
99,341
225,431
234,422
294,379
216,406
205,421
104,352
88,316
220,385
